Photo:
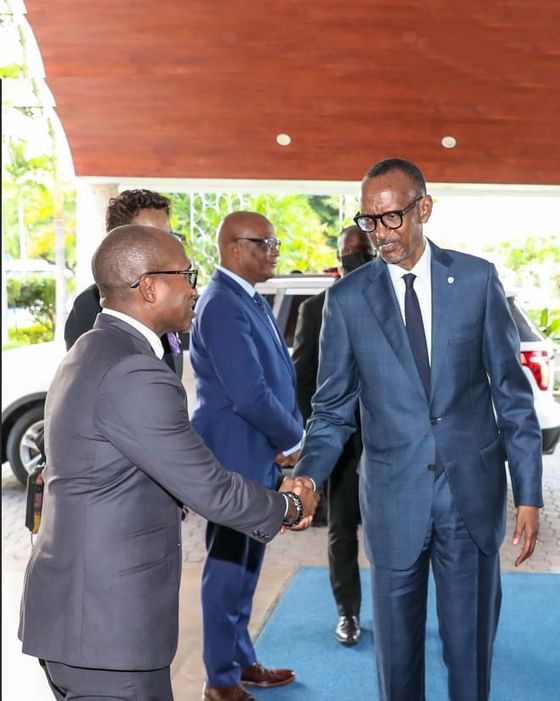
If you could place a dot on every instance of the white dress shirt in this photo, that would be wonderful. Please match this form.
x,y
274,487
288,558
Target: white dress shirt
x,y
422,287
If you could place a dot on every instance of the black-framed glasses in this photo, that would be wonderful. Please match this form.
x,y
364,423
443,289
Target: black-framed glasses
x,y
178,236
269,244
190,275
390,220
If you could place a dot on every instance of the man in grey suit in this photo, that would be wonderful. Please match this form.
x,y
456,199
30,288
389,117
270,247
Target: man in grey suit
x,y
423,337
100,601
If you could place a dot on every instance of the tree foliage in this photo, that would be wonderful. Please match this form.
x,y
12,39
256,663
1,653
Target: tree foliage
x,y
28,211
36,294
300,229
535,265
298,225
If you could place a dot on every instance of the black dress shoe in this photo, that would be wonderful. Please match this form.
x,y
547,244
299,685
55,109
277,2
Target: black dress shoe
x,y
348,630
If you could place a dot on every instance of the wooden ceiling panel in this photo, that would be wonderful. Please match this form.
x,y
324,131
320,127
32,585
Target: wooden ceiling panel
x,y
180,89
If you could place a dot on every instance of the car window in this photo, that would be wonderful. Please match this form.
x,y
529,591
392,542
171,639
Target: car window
x,y
528,331
285,294
289,315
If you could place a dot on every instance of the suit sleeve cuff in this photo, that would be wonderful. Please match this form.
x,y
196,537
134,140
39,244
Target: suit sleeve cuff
x,y
295,448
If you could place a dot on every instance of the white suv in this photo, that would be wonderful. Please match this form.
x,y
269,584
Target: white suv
x,y
27,372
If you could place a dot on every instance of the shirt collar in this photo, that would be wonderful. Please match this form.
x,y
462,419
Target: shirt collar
x,y
249,289
152,338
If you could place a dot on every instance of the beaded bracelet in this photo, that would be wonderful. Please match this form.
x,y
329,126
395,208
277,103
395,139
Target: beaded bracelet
x,y
296,501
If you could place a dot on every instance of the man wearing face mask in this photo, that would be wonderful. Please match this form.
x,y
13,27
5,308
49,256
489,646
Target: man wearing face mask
x,y
354,249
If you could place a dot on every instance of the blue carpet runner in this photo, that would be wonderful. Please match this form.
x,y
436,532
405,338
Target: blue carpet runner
x,y
300,634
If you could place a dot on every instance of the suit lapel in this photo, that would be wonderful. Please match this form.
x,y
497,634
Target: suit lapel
x,y
381,297
266,322
444,308
258,316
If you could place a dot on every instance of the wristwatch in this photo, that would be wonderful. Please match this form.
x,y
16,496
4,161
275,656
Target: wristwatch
x,y
296,501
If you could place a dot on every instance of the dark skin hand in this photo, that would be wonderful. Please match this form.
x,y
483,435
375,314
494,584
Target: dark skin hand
x,y
304,488
526,531
287,460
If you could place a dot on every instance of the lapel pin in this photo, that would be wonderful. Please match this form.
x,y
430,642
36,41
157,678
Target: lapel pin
x,y
450,279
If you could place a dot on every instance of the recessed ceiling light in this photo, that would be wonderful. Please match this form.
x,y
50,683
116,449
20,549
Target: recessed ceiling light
x,y
449,142
283,139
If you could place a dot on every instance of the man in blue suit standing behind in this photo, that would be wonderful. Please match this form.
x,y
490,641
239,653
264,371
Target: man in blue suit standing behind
x,y
424,340
247,413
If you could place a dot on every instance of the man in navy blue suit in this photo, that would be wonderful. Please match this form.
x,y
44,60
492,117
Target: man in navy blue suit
x,y
424,339
248,415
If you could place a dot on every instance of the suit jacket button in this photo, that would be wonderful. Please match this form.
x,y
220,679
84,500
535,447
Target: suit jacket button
x,y
261,535
432,467
435,420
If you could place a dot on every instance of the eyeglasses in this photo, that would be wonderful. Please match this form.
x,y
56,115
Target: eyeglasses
x,y
390,220
270,244
190,276
178,236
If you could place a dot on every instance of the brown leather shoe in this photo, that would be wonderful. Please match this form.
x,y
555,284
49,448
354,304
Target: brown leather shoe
x,y
228,693
257,675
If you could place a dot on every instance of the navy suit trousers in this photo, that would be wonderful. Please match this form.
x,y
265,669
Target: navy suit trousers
x,y
229,579
468,594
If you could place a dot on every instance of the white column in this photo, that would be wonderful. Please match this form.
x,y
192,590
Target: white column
x,y
91,203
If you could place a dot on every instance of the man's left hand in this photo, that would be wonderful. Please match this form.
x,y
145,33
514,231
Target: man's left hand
x,y
526,531
287,460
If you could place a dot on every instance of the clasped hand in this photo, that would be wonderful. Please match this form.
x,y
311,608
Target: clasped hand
x,y
303,487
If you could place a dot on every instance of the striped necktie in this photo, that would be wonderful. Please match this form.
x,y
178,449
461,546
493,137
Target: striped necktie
x,y
265,309
262,304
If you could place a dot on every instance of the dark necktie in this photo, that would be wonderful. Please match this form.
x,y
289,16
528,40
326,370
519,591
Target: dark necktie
x,y
174,344
415,331
265,309
261,303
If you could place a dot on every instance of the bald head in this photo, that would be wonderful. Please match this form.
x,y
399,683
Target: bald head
x,y
248,246
161,298
237,225
126,253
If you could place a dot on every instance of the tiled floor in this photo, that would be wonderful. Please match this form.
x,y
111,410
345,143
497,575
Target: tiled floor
x,y
22,680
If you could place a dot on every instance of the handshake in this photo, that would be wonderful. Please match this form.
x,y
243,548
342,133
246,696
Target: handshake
x,y
304,488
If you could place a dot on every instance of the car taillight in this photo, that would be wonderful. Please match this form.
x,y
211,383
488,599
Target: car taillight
x,y
538,363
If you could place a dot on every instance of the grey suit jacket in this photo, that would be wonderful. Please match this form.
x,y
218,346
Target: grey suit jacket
x,y
101,587
479,412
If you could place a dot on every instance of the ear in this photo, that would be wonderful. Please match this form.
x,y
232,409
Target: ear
x,y
426,205
147,288
234,248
